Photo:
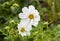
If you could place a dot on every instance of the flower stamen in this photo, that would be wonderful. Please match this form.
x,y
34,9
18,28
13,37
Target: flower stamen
x,y
22,29
31,16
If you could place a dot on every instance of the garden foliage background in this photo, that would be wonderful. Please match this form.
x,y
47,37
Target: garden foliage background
x,y
48,28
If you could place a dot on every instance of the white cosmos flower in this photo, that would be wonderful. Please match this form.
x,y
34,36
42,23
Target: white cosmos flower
x,y
30,14
24,28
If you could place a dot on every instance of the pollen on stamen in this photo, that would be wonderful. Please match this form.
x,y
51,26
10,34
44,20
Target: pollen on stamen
x,y
31,16
22,29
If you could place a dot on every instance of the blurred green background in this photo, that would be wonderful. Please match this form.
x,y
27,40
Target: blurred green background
x,y
48,28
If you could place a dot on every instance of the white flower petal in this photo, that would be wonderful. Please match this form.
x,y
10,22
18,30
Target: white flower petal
x,y
36,12
35,23
29,27
25,10
28,33
37,18
23,34
31,21
31,9
22,15
24,22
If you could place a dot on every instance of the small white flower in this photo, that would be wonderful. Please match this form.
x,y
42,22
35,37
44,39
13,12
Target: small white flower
x,y
24,28
30,14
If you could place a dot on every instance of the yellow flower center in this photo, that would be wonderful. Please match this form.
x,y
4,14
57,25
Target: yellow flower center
x,y
31,16
22,29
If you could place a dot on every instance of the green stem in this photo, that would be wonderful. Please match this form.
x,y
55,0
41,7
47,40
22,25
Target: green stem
x,y
53,8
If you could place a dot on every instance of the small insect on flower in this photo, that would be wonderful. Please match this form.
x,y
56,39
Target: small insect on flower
x,y
24,28
30,14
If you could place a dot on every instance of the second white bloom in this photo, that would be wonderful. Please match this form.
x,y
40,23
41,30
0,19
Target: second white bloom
x,y
24,28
